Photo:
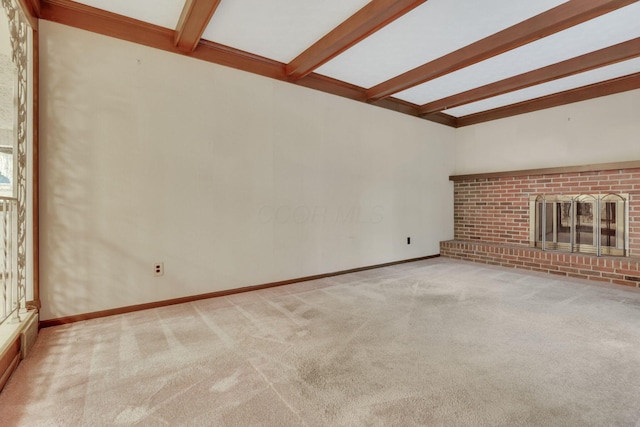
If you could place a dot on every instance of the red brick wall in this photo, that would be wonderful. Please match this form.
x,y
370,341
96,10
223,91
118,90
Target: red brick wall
x,y
497,209
491,220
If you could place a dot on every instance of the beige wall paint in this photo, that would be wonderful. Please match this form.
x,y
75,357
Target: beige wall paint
x,y
600,130
230,179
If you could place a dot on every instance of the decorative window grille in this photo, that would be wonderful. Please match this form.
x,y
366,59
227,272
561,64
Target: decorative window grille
x,y
589,223
15,289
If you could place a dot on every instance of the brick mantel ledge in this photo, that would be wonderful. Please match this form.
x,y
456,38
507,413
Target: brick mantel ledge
x,y
599,167
617,270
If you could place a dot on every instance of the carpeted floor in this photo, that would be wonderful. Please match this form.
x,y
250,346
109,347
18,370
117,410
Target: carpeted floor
x,y
429,343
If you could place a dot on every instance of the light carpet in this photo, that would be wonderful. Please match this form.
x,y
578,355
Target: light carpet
x,y
430,343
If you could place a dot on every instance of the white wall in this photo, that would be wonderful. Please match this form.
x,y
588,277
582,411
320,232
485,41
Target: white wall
x,y
600,130
229,178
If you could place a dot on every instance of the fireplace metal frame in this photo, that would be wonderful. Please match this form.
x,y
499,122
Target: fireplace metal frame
x,y
540,237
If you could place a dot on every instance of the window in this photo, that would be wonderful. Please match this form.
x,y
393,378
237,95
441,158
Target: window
x,y
16,162
586,223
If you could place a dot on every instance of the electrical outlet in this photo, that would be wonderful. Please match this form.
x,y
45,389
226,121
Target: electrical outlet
x,y
158,269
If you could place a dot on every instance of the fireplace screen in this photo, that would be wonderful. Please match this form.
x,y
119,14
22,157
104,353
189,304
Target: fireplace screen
x,y
585,223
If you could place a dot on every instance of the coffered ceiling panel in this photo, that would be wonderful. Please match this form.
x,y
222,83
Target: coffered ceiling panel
x,y
277,29
164,13
454,62
613,28
430,31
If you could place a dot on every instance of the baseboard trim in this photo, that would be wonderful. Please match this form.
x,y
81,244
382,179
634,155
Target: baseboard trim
x,y
139,307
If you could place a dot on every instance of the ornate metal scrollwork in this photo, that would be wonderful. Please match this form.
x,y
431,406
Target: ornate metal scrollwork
x,y
19,30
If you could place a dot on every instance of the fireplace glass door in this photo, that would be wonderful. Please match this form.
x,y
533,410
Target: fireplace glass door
x,y
585,226
585,223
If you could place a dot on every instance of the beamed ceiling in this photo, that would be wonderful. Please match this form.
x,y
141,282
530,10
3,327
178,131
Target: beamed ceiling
x,y
456,62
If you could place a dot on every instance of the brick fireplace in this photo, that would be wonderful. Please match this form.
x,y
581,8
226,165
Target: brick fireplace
x,y
492,220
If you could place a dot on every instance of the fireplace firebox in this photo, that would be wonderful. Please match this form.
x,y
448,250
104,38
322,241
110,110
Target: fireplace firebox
x,y
588,223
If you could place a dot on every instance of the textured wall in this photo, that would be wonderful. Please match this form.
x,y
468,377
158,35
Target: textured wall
x,y
229,178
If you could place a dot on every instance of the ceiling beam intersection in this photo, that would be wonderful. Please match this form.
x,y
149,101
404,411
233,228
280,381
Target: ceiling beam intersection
x,y
194,19
109,24
372,17
99,21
